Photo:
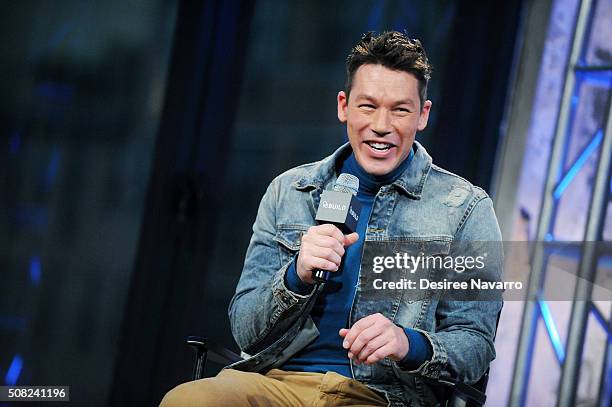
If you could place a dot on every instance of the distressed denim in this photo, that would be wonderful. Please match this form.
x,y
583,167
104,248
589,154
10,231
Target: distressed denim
x,y
427,207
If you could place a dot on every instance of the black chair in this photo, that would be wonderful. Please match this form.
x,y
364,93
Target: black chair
x,y
460,394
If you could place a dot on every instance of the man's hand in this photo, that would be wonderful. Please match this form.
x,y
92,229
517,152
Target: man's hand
x,y
322,249
374,338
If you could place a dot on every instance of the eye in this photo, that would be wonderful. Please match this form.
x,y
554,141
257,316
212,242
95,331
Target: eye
x,y
367,106
402,110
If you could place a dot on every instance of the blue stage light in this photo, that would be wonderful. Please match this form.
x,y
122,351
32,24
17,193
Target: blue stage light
x,y
35,270
52,168
14,370
578,164
553,334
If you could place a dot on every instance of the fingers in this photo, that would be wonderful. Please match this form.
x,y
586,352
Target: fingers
x,y
360,334
372,349
350,239
326,254
365,342
320,252
373,338
357,328
322,249
323,242
379,354
317,263
327,229
333,231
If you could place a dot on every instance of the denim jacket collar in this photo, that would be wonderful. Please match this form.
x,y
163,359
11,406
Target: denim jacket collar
x,y
410,182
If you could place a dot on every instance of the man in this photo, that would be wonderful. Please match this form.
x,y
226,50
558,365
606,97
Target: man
x,y
337,343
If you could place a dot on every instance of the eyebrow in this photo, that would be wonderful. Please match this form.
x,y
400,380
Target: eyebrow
x,y
396,103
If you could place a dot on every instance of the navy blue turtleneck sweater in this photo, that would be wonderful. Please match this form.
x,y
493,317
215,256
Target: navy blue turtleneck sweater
x,y
332,308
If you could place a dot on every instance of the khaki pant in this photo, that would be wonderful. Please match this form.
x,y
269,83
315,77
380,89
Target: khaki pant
x,y
277,388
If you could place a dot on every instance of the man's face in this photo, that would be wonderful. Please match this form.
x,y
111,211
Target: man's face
x,y
382,116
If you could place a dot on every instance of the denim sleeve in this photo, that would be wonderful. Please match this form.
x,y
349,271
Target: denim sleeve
x,y
263,308
462,341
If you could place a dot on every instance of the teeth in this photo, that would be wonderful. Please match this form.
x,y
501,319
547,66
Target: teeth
x,y
379,146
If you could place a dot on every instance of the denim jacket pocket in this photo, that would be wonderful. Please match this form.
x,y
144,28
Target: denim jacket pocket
x,y
289,239
432,254
390,274
405,257
402,299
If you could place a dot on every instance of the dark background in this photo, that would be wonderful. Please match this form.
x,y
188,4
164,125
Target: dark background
x,y
138,137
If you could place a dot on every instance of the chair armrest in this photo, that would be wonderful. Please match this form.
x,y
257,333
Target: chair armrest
x,y
205,349
463,394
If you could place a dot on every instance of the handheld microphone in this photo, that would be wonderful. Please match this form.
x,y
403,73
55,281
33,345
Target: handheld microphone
x,y
341,208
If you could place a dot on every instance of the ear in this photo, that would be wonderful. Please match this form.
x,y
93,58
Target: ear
x,y
342,106
424,115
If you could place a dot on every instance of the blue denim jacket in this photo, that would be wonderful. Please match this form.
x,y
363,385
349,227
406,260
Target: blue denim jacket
x,y
426,206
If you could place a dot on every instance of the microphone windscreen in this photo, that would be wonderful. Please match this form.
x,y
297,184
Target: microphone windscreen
x,y
347,183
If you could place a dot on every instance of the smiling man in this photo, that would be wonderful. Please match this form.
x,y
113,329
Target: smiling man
x,y
336,343
385,111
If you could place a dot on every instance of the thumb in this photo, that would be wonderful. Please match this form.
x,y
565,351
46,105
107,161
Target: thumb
x,y
350,239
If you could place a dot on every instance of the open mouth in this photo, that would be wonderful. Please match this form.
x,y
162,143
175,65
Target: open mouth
x,y
378,146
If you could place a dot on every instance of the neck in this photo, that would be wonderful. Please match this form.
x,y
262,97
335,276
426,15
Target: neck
x,y
369,184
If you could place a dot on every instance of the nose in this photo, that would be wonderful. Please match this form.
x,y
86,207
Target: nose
x,y
381,123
